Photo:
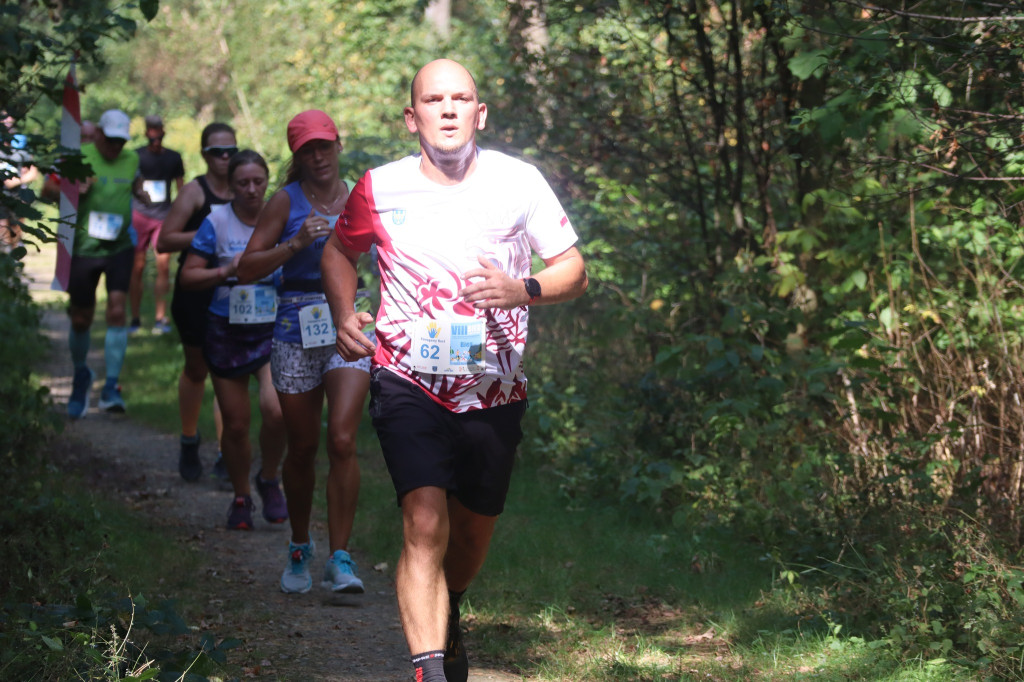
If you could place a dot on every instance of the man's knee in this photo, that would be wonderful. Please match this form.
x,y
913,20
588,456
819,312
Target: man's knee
x,y
81,318
116,309
425,518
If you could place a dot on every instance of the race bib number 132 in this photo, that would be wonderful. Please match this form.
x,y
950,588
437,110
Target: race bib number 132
x,y
316,326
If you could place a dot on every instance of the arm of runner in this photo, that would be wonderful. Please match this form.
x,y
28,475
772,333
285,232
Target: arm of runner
x,y
338,274
172,236
196,273
563,278
139,193
265,251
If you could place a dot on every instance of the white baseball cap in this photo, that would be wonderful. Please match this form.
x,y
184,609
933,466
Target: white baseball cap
x,y
115,123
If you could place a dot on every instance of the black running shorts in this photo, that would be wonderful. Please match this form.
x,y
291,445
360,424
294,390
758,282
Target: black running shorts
x,y
469,454
188,310
85,276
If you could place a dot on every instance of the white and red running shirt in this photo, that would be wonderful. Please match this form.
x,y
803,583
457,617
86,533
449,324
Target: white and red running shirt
x,y
427,235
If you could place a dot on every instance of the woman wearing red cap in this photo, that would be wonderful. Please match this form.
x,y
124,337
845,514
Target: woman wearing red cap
x,y
305,365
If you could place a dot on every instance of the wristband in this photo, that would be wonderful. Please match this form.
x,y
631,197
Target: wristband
x,y
532,289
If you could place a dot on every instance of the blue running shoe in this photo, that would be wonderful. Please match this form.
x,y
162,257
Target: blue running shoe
x,y
161,327
111,400
81,385
296,578
340,574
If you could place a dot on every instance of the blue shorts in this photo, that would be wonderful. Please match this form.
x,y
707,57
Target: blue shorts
x,y
469,454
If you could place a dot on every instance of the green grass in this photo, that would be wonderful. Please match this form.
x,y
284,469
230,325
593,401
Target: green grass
x,y
75,564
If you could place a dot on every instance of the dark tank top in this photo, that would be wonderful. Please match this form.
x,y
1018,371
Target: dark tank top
x,y
209,201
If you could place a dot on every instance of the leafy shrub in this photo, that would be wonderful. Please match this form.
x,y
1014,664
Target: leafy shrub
x,y
26,417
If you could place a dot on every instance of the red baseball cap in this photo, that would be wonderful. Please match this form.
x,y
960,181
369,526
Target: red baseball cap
x,y
310,125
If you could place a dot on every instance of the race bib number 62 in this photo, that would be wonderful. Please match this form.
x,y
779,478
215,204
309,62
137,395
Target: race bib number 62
x,y
448,347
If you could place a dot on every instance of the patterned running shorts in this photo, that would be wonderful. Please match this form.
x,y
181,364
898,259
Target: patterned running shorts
x,y
295,369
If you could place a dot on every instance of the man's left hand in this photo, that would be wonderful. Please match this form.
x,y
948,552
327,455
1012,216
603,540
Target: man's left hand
x,y
496,290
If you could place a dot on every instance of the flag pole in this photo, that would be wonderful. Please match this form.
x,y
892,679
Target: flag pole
x,y
70,138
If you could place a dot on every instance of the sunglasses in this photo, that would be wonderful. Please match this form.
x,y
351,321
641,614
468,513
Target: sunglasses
x,y
221,151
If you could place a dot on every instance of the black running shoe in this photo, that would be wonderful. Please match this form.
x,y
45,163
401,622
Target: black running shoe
x,y
456,663
189,465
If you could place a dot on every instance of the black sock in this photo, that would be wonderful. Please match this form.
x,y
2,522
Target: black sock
x,y
429,666
453,605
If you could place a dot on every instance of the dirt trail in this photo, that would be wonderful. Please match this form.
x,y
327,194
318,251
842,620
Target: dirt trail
x,y
315,636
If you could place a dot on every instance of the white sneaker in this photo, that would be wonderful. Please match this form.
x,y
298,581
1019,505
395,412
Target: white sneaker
x,y
296,578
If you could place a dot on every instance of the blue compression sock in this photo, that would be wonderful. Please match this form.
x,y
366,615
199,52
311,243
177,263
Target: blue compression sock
x,y
113,352
78,344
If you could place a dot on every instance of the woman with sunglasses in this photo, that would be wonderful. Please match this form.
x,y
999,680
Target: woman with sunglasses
x,y
239,331
305,364
188,308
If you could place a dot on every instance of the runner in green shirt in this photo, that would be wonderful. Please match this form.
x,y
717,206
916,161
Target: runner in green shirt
x,y
103,245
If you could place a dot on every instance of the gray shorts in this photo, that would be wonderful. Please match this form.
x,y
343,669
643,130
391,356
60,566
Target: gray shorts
x,y
295,369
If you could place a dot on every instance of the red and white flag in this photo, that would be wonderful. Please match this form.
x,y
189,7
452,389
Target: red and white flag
x,y
70,138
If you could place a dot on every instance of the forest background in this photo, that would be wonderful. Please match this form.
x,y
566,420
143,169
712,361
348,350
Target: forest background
x,y
802,227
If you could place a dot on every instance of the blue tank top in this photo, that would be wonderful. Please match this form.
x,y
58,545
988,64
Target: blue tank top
x,y
300,282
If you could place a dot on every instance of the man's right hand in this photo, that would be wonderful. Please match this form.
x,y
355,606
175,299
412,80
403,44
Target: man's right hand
x,y
352,343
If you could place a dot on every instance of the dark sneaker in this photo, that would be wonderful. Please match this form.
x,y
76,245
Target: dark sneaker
x,y
220,470
240,513
134,327
189,465
340,574
456,663
111,400
275,509
81,385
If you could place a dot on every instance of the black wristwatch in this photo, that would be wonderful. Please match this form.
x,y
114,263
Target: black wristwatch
x,y
532,289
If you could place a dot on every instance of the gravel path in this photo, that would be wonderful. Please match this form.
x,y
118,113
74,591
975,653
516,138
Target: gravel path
x,y
315,636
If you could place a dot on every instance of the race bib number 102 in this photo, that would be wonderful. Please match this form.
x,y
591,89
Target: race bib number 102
x,y
253,304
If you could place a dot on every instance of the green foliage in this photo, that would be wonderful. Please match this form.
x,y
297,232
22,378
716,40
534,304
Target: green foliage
x,y
259,64
949,590
61,614
807,298
26,417
38,43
